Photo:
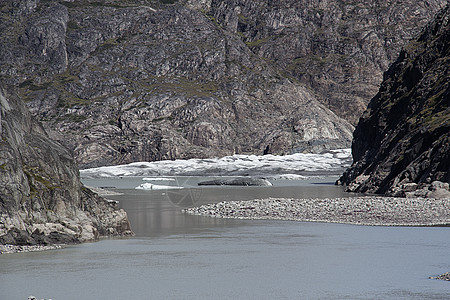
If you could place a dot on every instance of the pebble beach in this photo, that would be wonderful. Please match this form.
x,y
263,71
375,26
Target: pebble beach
x,y
381,211
4,249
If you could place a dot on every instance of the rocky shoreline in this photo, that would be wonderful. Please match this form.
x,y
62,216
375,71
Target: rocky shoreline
x,y
7,249
368,210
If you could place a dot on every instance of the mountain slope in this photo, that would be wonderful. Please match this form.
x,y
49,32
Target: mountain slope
x,y
120,82
402,142
338,48
125,81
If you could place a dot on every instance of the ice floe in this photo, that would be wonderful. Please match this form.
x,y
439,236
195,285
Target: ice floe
x,y
332,162
289,177
158,179
150,186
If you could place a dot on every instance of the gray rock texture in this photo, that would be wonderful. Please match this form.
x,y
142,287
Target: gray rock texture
x,y
119,82
374,211
42,201
401,145
338,48
125,81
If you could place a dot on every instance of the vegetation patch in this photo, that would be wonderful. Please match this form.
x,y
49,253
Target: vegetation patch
x,y
84,4
243,19
257,43
214,20
68,100
66,77
165,118
33,176
109,43
72,117
72,25
28,84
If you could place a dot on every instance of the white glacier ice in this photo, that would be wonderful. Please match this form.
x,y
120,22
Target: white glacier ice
x,y
333,162
150,186
158,179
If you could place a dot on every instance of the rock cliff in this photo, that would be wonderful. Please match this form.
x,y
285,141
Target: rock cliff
x,y
401,145
338,48
124,81
41,198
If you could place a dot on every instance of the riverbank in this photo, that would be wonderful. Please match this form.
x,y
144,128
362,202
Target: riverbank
x,y
4,249
380,211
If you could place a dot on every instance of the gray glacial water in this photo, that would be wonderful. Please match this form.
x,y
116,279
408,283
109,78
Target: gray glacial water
x,y
178,256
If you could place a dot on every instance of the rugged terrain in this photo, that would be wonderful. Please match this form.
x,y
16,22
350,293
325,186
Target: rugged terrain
x,y
401,145
129,83
42,201
339,49
124,81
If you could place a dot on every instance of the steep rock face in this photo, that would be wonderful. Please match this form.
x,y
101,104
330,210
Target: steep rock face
x,y
402,142
338,48
41,198
119,82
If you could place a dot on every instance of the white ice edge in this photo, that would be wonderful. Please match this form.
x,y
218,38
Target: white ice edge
x,y
305,164
149,186
158,179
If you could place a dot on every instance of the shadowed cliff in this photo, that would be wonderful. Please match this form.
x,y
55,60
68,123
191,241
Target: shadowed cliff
x,y
402,142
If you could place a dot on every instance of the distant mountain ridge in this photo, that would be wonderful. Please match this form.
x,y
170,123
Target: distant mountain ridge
x,y
401,144
125,81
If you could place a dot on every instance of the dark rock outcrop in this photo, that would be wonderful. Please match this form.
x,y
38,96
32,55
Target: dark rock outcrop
x,y
401,145
242,181
41,198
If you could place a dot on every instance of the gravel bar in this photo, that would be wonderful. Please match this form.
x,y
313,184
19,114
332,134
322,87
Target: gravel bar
x,y
4,249
368,210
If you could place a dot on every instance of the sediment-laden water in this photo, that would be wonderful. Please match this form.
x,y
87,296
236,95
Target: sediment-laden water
x,y
180,256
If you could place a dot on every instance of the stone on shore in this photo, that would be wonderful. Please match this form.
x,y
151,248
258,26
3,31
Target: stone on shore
x,y
387,211
445,276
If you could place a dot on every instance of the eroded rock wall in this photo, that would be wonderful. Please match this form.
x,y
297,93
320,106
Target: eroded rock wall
x,y
41,198
124,81
402,142
338,48
133,81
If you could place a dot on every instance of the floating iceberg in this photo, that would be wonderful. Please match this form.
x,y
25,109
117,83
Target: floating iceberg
x,y
332,162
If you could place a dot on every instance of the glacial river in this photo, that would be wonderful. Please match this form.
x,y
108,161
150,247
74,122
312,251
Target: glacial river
x,y
178,256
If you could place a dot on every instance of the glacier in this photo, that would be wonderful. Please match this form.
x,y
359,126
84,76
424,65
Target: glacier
x,y
298,165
